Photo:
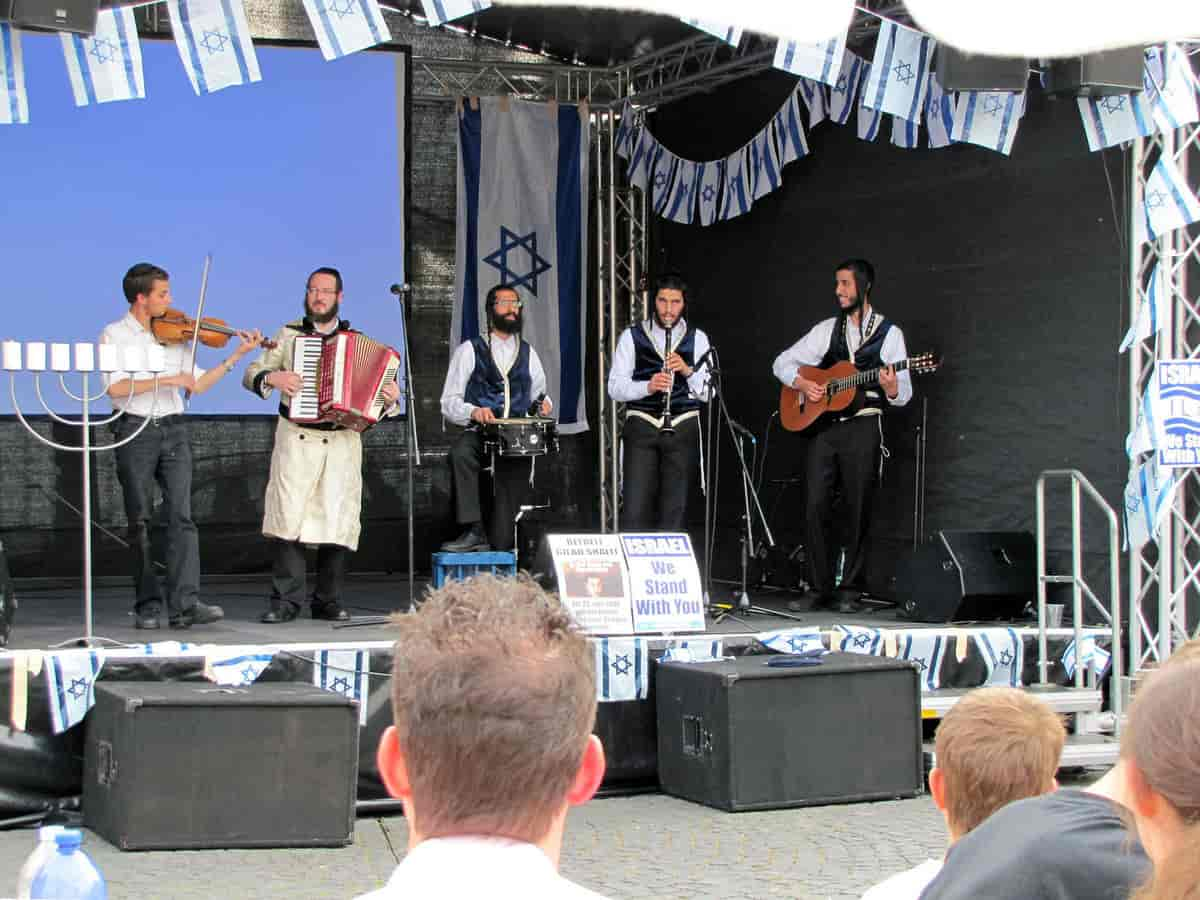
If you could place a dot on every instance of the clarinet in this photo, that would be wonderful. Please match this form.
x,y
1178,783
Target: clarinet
x,y
667,427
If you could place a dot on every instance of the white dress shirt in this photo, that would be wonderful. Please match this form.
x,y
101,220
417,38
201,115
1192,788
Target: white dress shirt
x,y
906,885
166,401
462,364
623,388
811,349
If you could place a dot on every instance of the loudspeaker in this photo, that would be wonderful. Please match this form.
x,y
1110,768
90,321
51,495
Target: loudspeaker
x,y
968,575
1097,74
8,599
78,16
958,71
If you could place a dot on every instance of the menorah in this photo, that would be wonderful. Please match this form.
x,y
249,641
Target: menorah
x,y
88,359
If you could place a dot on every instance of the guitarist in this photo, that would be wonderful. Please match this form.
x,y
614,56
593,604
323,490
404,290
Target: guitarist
x,y
846,447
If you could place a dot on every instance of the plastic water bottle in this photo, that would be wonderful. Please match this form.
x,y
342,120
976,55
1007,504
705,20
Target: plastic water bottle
x,y
69,874
33,863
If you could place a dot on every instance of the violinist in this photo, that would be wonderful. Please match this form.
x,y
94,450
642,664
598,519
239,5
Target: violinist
x,y
162,452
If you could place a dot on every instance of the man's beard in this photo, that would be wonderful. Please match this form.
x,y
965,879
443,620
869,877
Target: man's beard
x,y
855,305
322,318
502,324
661,324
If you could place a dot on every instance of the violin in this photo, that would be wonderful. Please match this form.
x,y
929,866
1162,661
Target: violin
x,y
176,327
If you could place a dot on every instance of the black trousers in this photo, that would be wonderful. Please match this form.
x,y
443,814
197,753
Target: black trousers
x,y
845,454
658,472
288,580
510,483
162,453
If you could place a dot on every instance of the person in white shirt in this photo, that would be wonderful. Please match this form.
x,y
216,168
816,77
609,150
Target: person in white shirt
x,y
845,448
162,452
495,377
994,746
494,698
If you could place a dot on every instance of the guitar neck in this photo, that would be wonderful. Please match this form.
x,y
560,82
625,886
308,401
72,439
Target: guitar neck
x,y
867,376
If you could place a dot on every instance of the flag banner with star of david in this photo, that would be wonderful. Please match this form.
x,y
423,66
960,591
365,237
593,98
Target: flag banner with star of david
x,y
694,650
1003,654
791,640
214,43
522,221
845,89
815,100
820,61
859,639
1089,653
1114,119
1168,201
666,165
1152,314
622,668
1149,493
345,672
108,65
988,119
237,666
626,131
764,164
926,651
905,134
789,132
346,26
868,120
1149,432
1170,87
681,203
897,81
737,185
730,34
710,177
14,104
939,114
439,12
71,686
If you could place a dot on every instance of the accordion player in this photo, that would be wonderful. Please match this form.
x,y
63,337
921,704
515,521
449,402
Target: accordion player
x,y
344,376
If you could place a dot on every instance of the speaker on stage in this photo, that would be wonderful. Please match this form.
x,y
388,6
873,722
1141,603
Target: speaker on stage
x,y
968,576
78,16
958,71
1097,74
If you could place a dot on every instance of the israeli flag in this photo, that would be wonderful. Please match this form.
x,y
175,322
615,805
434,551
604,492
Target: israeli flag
x,y
791,640
789,131
845,89
859,639
905,133
621,668
737,185
988,119
899,73
694,650
1148,497
710,177
522,220
1153,313
1149,428
108,65
939,114
666,165
815,100
868,123
236,666
14,104
682,202
1170,88
1003,654
166,648
820,61
926,651
71,685
1168,201
343,27
213,38
345,672
439,12
1089,652
1115,119
645,147
764,164
623,141
730,34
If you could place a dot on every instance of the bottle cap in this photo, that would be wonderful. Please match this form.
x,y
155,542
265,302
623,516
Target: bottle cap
x,y
68,838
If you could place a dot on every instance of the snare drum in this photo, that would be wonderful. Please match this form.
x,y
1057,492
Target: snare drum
x,y
532,436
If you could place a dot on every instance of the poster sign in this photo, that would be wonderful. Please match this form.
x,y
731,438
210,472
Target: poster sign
x,y
664,583
1179,402
592,581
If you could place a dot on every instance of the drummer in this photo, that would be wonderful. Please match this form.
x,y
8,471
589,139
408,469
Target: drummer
x,y
491,378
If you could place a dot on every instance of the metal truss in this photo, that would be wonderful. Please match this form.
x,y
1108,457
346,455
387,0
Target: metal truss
x,y
1164,579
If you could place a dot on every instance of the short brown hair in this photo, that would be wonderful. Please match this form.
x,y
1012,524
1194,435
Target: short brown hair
x,y
994,746
494,697
140,279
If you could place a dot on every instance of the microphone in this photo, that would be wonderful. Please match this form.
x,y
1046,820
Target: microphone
x,y
399,289
536,406
742,430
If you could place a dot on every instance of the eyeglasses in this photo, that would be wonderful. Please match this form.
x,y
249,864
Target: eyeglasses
x,y
321,292
515,304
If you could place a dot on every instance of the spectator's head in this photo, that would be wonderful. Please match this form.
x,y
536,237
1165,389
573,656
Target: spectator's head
x,y
494,698
994,746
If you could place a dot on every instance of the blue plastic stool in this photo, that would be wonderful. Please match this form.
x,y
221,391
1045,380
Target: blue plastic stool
x,y
457,566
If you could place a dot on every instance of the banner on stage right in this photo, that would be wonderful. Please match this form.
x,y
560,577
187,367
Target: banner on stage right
x,y
664,580
1179,405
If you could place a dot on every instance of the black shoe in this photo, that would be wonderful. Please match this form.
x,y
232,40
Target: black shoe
x,y
146,621
330,611
811,601
473,540
846,603
198,614
280,613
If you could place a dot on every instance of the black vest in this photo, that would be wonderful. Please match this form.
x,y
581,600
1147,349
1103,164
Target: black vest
x,y
867,357
648,359
485,387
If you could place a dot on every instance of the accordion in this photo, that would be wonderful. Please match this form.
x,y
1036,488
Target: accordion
x,y
344,376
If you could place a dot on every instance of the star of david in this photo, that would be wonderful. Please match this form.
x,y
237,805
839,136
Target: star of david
x,y
341,685
992,106
1155,199
921,664
842,85
1006,658
709,194
660,178
341,8
795,644
511,241
248,674
79,687
214,41
904,73
862,640
103,50
1113,104
621,665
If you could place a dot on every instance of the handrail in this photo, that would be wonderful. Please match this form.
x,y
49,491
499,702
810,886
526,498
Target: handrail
x,y
1079,583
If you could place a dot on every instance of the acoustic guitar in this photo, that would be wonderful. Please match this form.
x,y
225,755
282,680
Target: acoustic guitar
x,y
841,382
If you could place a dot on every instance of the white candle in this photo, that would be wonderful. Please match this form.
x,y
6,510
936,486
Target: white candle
x,y
35,356
110,358
85,358
60,357
133,360
156,358
12,356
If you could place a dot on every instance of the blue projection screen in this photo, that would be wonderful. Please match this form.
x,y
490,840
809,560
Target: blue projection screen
x,y
306,168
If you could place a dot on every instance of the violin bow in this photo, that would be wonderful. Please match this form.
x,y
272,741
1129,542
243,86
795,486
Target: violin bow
x,y
199,317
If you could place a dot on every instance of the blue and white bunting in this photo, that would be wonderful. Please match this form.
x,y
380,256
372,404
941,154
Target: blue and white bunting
x,y
439,12
71,685
682,202
166,648
792,640
905,134
1003,654
1149,431
730,34
236,666
926,651
1114,119
621,668
868,123
898,79
737,185
213,38
343,27
939,114
710,178
345,672
1170,88
694,650
845,89
666,166
14,104
764,165
789,131
1153,312
1148,496
820,61
1168,201
108,65
988,119
814,98
623,141
859,639
1090,655
641,157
